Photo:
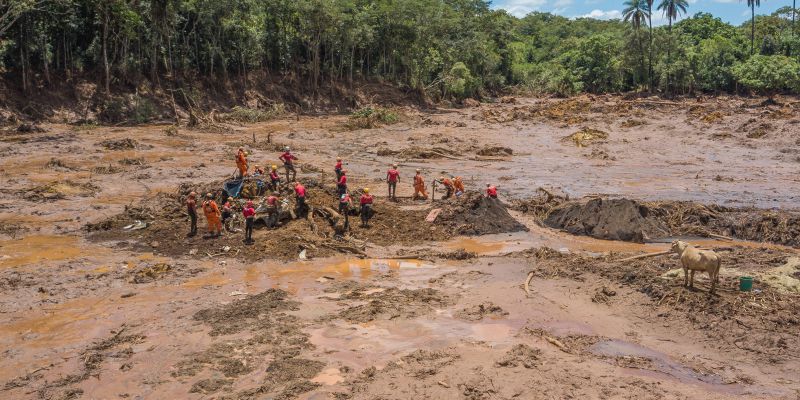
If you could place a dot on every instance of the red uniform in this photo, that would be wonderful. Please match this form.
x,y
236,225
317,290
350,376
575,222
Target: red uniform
x,y
272,201
248,211
338,166
343,180
393,175
300,190
366,199
274,176
491,191
287,158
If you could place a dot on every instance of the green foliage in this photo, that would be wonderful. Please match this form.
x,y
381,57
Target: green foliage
x,y
459,81
768,74
251,115
371,117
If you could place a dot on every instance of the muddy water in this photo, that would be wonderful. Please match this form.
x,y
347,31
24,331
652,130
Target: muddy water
x,y
39,249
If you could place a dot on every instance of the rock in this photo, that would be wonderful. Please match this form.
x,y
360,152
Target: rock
x,y
471,103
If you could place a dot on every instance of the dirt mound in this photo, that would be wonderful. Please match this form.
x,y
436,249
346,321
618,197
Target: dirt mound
x,y
612,219
520,355
416,152
481,311
474,214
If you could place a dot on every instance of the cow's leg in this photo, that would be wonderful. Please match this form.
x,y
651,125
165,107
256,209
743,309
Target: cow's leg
x,y
691,280
685,277
714,276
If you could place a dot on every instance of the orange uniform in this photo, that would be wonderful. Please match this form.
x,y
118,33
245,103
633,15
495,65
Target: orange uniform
x,y
211,210
458,185
419,187
241,163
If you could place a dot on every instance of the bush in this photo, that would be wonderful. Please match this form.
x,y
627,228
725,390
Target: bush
x,y
459,82
768,74
252,115
369,117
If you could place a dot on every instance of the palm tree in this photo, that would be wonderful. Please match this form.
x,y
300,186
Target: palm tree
x,y
636,12
672,9
650,46
794,10
753,4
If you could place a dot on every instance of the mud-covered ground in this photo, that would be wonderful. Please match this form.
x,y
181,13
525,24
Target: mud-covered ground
x,y
410,309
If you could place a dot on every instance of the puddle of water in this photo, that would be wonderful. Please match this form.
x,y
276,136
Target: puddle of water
x,y
38,248
473,245
330,376
213,279
349,268
663,365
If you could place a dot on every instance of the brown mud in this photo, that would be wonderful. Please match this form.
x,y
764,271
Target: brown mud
x,y
408,309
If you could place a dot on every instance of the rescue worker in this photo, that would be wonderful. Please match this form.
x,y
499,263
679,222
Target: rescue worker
x,y
491,191
241,162
345,204
211,211
258,171
191,208
272,210
338,168
448,186
419,187
249,213
227,213
458,186
392,177
300,196
274,179
288,163
341,185
366,208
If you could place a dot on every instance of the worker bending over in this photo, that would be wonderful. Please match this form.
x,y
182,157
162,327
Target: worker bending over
x,y
448,186
272,209
491,191
458,186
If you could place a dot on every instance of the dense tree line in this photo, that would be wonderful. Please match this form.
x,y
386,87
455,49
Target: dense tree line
x,y
442,48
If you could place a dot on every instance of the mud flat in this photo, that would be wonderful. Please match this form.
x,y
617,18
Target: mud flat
x,y
410,309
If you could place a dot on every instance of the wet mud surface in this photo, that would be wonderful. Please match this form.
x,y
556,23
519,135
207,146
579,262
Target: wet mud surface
x,y
409,309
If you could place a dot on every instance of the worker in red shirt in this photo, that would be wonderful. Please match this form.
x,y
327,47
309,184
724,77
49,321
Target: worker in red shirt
x,y
491,191
338,168
288,163
341,185
274,179
249,213
392,177
191,208
300,197
272,209
366,208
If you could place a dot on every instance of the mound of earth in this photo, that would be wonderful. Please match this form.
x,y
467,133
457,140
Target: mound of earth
x,y
58,190
612,219
473,214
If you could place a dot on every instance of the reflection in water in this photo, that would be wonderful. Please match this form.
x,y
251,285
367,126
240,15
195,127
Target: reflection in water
x,y
37,249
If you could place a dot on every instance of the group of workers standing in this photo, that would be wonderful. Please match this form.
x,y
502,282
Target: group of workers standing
x,y
217,218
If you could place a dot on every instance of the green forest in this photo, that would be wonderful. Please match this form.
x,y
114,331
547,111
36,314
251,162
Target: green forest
x,y
440,48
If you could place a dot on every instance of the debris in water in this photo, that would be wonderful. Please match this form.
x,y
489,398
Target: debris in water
x,y
586,136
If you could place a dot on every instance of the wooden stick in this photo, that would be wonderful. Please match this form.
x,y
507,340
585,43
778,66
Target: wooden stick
x,y
715,236
660,253
528,282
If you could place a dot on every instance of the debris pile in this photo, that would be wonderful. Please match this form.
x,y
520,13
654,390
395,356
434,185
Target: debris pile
x,y
586,136
612,219
60,190
474,214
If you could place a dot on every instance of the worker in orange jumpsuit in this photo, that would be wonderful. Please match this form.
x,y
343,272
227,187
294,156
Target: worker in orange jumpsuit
x,y
458,185
419,187
241,162
448,186
211,210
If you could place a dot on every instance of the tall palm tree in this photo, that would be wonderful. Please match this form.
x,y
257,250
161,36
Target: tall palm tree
x,y
753,4
794,10
672,9
636,12
650,45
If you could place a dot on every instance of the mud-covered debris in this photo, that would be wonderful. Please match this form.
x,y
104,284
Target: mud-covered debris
x,y
120,144
30,128
586,136
603,295
508,100
394,303
60,190
520,355
107,169
133,161
481,311
210,385
59,165
458,254
470,103
496,151
150,273
240,314
630,123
